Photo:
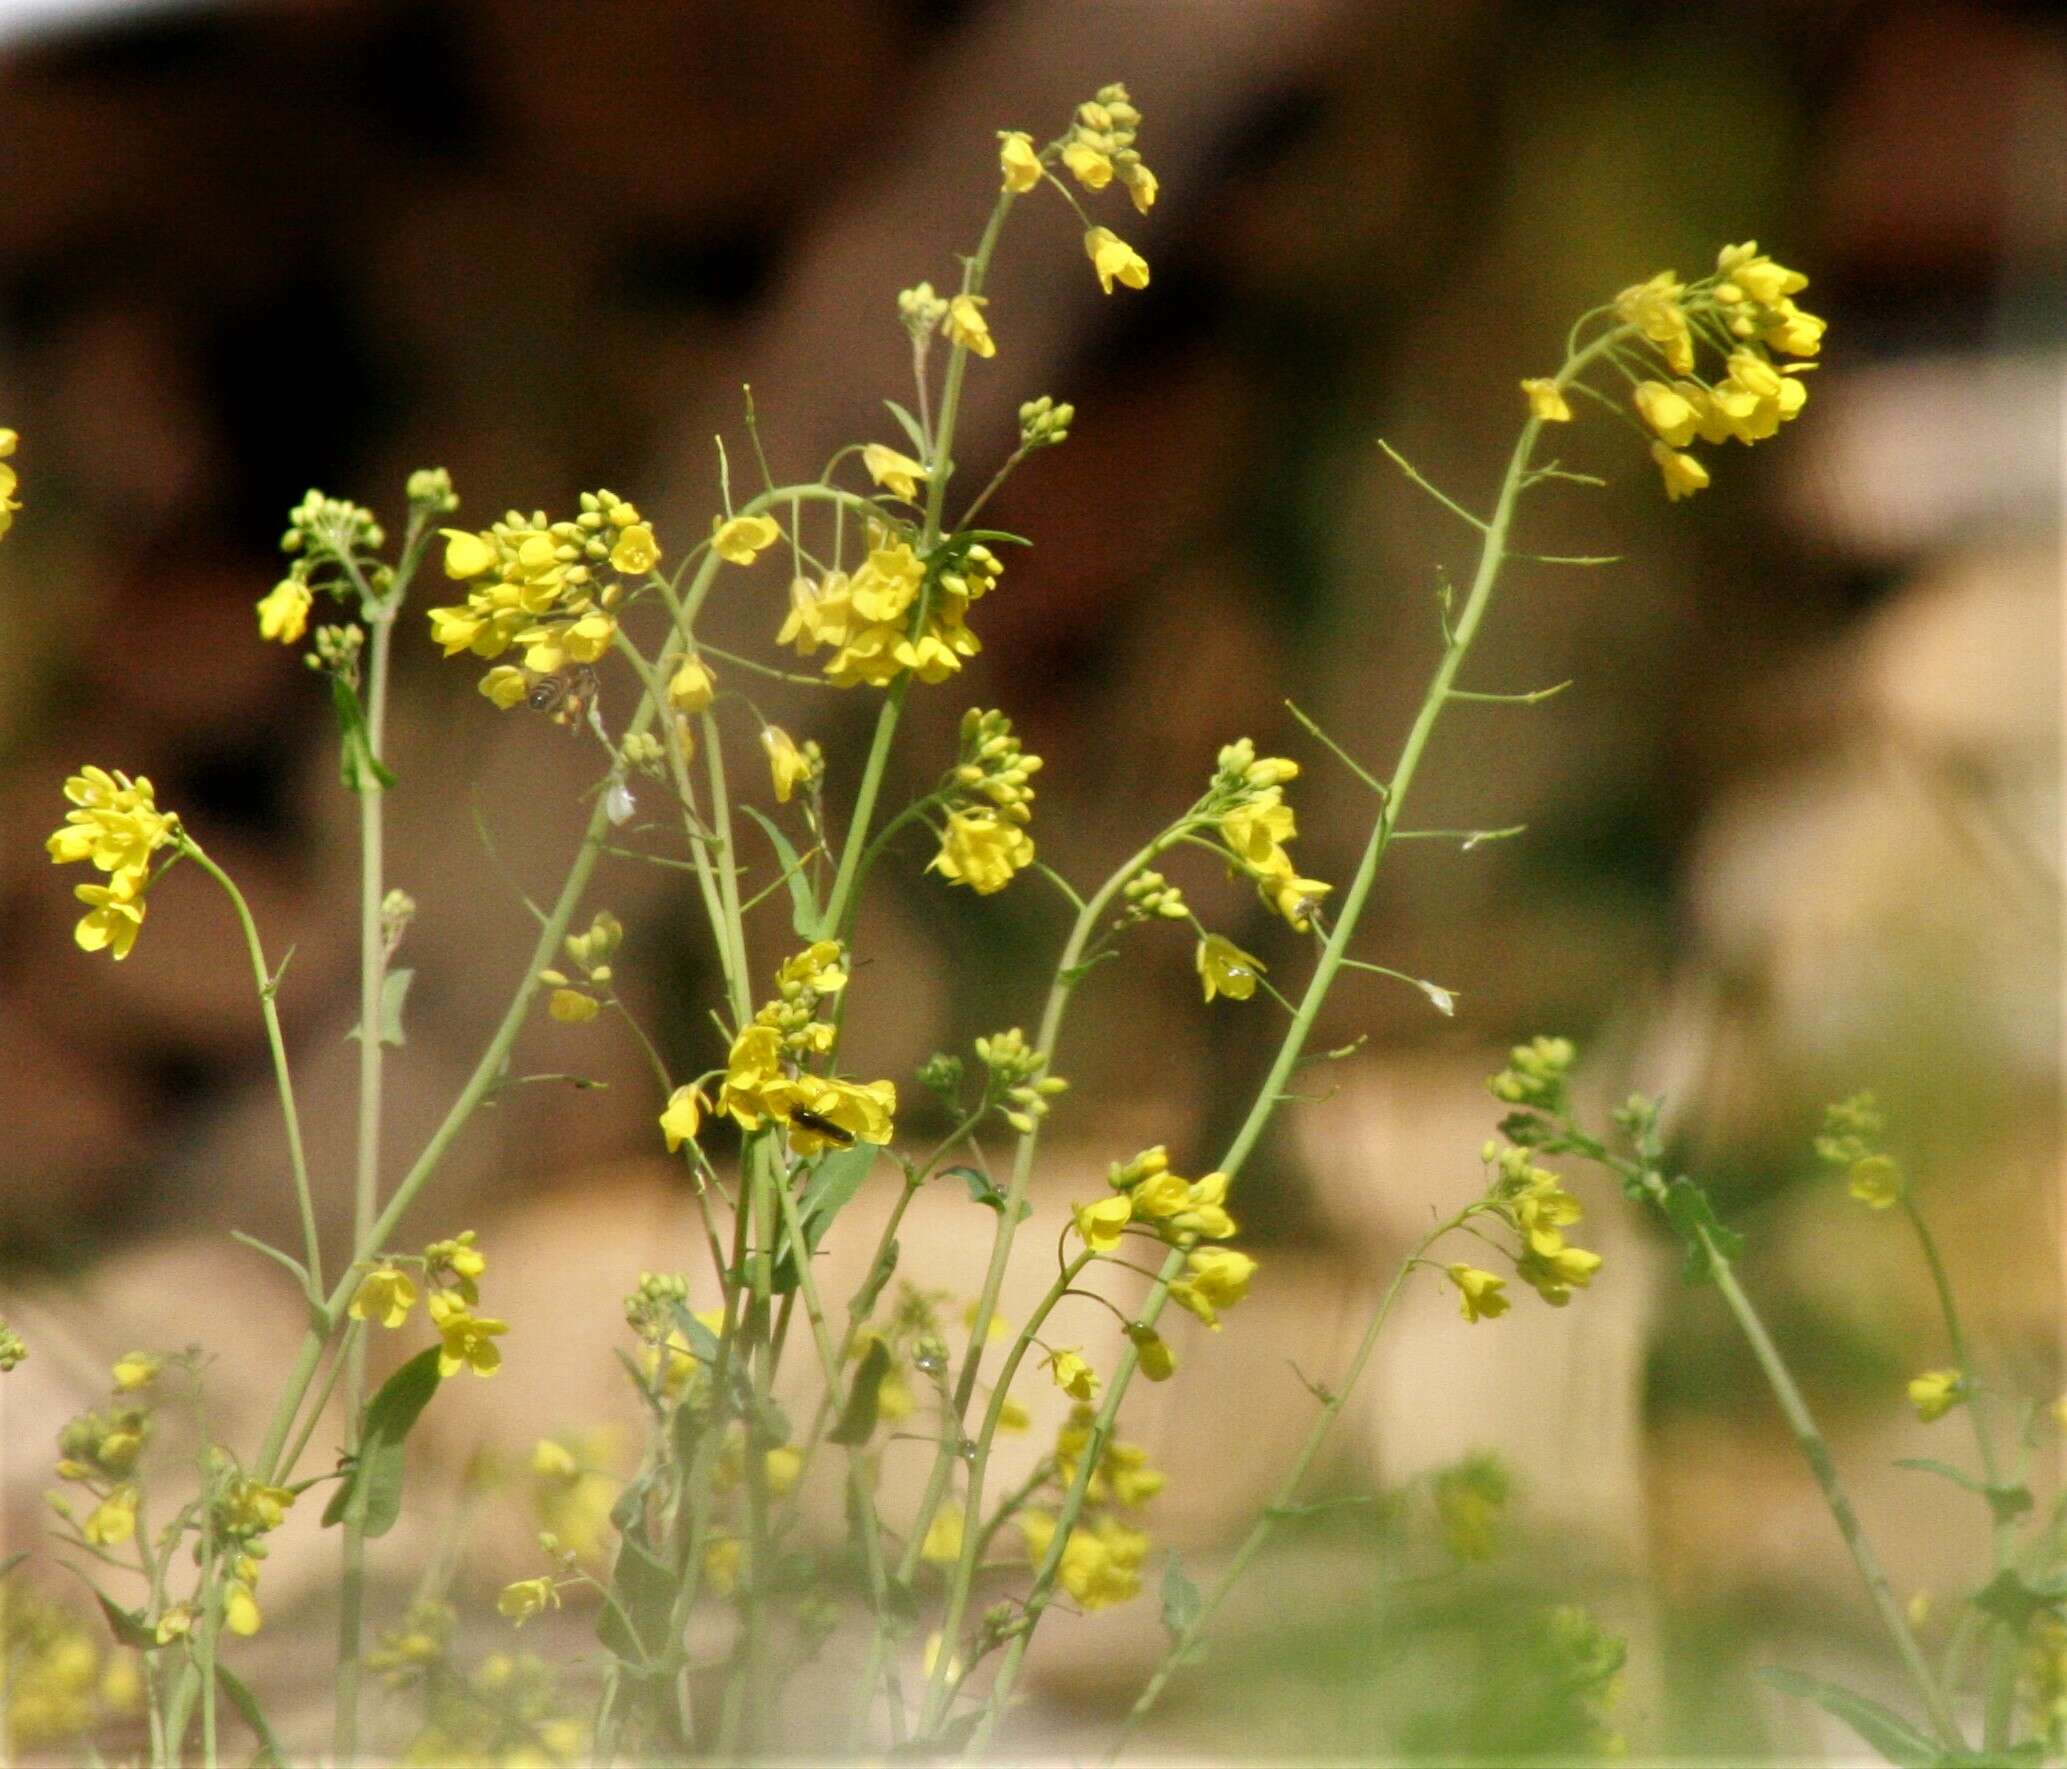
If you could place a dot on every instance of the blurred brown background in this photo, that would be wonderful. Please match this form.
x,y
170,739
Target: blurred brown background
x,y
1794,831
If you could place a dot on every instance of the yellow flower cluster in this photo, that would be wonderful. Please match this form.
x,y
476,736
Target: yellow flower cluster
x,y
1936,1392
452,1268
765,1080
58,1684
1255,823
1182,1212
8,481
1850,1142
1745,312
115,823
985,843
1533,1202
576,1004
537,583
507,1714
1014,1079
1096,150
897,612
1101,1561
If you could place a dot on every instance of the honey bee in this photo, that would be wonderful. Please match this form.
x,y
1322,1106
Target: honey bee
x,y
565,695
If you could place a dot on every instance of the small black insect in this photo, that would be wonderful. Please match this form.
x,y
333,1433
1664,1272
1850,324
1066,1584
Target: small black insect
x,y
824,1127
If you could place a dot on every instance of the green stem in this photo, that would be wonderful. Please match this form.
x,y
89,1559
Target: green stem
x,y
1281,1499
1817,1454
283,1080
379,618
1492,554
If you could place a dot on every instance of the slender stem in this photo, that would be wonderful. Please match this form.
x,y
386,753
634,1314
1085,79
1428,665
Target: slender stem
x,y
1817,1454
1492,555
1282,1498
283,1080
379,617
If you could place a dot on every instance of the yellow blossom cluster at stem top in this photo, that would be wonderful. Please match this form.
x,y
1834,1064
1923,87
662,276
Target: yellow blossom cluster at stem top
x,y
1255,825
116,824
766,1079
895,612
9,480
1745,314
547,586
452,1268
990,795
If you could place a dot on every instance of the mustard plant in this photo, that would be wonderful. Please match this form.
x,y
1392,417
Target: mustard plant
x,y
577,616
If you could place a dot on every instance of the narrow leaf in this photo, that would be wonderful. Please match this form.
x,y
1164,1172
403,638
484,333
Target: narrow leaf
x,y
351,720
394,989
376,1478
1887,1732
857,1421
294,1265
828,1191
805,915
1182,1604
125,1624
910,426
246,1704
1688,1208
984,1192
635,1626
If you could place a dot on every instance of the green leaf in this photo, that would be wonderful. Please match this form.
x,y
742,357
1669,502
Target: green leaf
x,y
828,1191
394,990
358,746
1686,1206
1182,1605
246,1704
1887,1732
857,1421
378,1472
910,426
2005,1501
702,1342
126,1625
635,1626
984,1192
805,915
2013,1600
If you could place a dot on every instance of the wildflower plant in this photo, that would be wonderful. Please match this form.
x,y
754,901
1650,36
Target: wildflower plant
x,y
873,575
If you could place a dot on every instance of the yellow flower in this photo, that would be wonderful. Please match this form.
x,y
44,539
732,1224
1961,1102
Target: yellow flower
x,y
1087,165
1479,1295
1682,473
1018,162
943,1543
1792,332
1554,1276
1203,1213
864,1112
526,1598
241,1614
742,539
966,327
506,685
1073,1375
1289,895
1876,1181
1160,1195
693,686
721,1560
175,1624
8,506
113,916
1225,969
636,552
1667,412
789,766
982,850
385,1294
469,1339
899,473
1100,1224
1141,184
684,1115
817,968
136,1369
1653,308
283,612
113,1520
1750,275
572,1007
467,555
251,1508
465,1261
1547,400
1255,832
1935,1393
754,1083
1114,260
783,1465
1215,1278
